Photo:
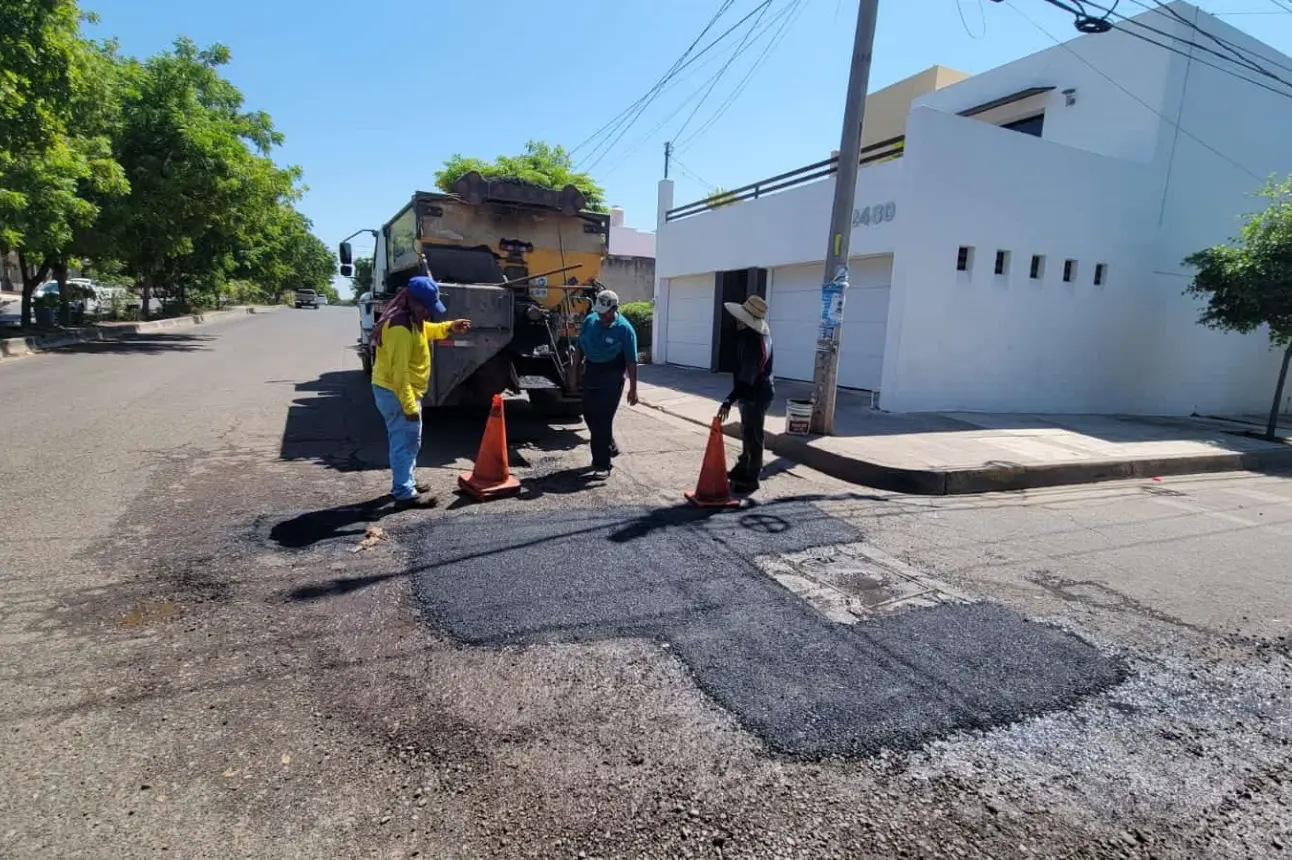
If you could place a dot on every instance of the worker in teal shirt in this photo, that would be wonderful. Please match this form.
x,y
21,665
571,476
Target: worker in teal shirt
x,y
606,352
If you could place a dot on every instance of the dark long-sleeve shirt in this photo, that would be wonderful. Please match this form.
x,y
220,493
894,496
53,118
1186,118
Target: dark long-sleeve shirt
x,y
752,379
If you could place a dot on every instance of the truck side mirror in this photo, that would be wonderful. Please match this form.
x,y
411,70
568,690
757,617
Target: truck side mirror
x,y
347,256
347,271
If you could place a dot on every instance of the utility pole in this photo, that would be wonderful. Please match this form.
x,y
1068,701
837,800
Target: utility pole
x,y
668,154
825,376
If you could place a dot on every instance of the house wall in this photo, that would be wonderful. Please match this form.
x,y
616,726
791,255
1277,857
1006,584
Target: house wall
x,y
1114,76
632,278
627,241
980,342
1112,181
886,109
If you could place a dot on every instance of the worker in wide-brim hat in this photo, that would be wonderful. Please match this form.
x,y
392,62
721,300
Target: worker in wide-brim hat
x,y
752,389
606,352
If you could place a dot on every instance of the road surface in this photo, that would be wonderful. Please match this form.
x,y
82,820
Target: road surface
x,y
200,661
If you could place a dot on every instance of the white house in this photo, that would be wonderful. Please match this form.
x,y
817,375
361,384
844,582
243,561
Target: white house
x,y
629,266
1018,239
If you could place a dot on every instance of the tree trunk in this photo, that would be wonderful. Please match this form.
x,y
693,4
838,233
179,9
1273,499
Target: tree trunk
x,y
147,293
30,281
64,309
1271,430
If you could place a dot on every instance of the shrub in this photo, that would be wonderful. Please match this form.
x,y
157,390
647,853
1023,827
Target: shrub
x,y
642,317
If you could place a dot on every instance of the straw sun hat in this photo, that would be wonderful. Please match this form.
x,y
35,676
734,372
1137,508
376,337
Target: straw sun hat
x,y
752,313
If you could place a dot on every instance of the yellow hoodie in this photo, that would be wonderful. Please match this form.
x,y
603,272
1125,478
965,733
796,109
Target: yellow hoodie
x,y
404,362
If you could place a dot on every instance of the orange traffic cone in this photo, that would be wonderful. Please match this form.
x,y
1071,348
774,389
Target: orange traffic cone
x,y
712,491
491,478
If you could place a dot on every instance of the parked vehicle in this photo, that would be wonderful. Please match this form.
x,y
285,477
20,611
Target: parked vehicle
x,y
366,323
519,260
307,298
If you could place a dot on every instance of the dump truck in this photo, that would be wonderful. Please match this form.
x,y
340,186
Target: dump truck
x,y
521,261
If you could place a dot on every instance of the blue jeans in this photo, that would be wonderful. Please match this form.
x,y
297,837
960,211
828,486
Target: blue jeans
x,y
405,438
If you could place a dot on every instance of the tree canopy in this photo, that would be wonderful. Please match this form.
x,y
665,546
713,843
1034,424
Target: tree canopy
x,y
152,169
1247,283
540,163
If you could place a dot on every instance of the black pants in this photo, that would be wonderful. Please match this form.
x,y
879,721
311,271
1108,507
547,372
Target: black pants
x,y
603,388
753,420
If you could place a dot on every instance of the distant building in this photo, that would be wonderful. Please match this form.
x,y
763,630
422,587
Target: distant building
x,y
1017,239
629,268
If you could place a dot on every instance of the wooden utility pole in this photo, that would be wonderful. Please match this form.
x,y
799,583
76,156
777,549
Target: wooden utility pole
x,y
825,377
668,155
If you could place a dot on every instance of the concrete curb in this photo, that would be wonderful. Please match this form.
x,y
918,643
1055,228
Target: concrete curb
x,y
999,477
17,347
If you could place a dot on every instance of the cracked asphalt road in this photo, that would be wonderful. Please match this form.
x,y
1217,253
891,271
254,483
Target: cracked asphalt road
x,y
197,663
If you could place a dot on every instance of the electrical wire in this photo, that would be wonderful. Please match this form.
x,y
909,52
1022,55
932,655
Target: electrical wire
x,y
735,56
1243,59
1148,106
792,11
673,70
620,126
965,23
1222,69
649,136
691,173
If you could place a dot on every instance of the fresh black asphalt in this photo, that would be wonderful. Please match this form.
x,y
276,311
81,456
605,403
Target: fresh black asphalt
x,y
806,686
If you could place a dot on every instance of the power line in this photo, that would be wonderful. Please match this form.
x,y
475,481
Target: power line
x,y
624,122
673,70
691,173
1226,71
965,23
792,11
1148,106
642,141
718,77
1243,59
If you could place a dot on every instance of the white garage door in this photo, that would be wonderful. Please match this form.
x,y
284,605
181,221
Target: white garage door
x,y
690,321
795,313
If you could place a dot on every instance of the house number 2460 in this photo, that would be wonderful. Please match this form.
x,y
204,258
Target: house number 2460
x,y
877,214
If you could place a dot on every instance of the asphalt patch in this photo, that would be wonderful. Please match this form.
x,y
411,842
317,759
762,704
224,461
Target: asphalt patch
x,y
805,686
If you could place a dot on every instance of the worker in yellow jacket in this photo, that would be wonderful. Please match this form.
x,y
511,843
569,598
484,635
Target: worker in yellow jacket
x,y
400,377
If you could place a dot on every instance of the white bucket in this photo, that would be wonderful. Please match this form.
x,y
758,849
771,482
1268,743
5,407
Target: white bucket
x,y
798,417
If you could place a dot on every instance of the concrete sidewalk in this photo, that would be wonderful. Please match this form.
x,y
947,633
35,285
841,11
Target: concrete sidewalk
x,y
954,453
16,347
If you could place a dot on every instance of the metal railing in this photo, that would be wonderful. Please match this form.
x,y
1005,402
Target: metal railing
x,y
884,150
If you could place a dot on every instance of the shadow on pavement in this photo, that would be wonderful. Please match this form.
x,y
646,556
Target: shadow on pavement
x,y
315,526
335,424
142,344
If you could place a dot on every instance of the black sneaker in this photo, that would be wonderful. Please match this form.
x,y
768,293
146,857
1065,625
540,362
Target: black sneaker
x,y
614,450
744,488
421,500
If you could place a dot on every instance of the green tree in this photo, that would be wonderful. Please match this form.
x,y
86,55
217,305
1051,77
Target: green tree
x,y
1248,283
720,197
58,110
201,185
540,163
361,280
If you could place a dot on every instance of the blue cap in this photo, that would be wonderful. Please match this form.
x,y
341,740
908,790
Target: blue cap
x,y
426,292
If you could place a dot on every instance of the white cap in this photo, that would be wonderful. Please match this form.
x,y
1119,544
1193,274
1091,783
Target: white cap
x,y
607,300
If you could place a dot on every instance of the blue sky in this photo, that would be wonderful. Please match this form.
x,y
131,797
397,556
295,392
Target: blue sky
x,y
372,97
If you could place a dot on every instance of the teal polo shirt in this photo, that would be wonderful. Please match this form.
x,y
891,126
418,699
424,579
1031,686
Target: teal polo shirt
x,y
602,344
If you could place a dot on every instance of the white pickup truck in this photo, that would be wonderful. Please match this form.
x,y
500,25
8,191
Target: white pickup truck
x,y
306,298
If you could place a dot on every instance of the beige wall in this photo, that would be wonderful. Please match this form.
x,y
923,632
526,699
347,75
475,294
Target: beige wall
x,y
886,109
633,278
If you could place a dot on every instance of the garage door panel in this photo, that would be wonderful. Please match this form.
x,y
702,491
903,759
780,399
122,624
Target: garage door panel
x,y
795,312
690,321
